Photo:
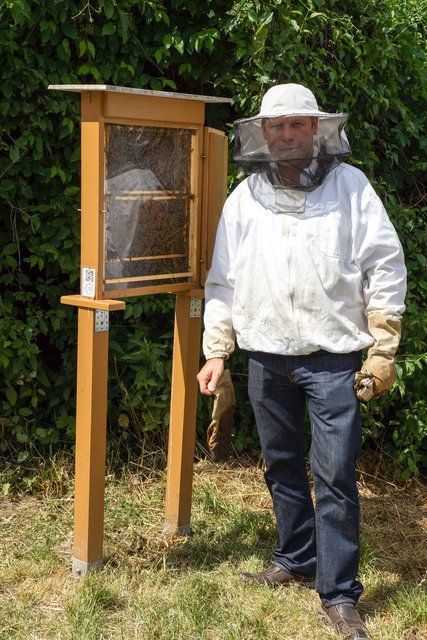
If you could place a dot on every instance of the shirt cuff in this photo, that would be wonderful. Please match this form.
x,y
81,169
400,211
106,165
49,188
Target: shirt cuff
x,y
216,354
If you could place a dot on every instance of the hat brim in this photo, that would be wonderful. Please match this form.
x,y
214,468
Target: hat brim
x,y
287,114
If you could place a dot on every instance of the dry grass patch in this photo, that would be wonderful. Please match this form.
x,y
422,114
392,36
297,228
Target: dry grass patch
x,y
186,588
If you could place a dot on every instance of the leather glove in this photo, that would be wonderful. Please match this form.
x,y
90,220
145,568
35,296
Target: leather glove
x,y
219,430
378,372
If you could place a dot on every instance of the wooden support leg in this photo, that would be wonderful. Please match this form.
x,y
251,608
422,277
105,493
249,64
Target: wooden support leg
x,y
182,428
91,418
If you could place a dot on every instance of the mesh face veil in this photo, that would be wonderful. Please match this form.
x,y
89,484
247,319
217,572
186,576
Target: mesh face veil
x,y
291,141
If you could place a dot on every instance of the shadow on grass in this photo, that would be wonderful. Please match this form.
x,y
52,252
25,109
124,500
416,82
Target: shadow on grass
x,y
378,599
248,534
392,537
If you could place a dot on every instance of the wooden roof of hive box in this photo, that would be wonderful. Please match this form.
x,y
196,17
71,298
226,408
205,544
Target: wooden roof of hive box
x,y
77,88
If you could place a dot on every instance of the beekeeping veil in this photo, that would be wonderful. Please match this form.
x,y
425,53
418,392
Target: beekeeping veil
x,y
252,154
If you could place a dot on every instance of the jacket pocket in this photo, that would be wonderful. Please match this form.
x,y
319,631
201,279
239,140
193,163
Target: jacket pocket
x,y
332,236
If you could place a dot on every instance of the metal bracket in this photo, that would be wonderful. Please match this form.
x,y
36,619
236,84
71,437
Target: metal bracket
x,y
102,322
184,530
195,307
80,568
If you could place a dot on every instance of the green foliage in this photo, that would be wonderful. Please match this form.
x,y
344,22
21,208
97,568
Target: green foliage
x,y
368,59
140,362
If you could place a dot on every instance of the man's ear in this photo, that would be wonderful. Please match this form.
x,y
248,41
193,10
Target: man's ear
x,y
314,125
263,129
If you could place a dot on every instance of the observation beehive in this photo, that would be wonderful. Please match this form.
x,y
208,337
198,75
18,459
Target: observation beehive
x,y
153,182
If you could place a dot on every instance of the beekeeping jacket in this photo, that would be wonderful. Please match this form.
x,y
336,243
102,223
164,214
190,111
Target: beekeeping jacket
x,y
296,270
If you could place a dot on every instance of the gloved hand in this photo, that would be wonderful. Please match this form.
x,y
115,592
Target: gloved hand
x,y
219,430
378,372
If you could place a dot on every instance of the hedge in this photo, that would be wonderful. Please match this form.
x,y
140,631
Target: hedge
x,y
368,59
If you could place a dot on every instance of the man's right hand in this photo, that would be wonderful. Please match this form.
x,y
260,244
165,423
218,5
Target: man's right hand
x,y
209,376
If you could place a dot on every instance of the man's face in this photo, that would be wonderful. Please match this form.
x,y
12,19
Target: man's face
x,y
291,137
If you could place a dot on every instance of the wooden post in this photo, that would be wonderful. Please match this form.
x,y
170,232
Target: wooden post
x,y
182,428
91,419
91,427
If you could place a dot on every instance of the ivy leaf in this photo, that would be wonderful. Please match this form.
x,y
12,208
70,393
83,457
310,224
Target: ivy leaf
x,y
63,50
108,9
168,40
14,154
82,47
108,29
9,249
12,396
7,89
91,48
159,55
179,45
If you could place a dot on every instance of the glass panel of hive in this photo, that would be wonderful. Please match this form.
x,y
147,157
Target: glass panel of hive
x,y
147,201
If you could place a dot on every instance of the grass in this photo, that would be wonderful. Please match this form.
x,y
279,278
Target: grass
x,y
156,587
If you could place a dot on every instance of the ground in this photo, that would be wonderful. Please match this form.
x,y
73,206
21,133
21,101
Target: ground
x,y
187,588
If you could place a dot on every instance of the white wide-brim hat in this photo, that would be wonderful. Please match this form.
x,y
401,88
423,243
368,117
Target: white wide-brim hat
x,y
290,100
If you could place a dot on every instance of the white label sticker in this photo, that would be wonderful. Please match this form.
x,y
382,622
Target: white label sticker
x,y
88,282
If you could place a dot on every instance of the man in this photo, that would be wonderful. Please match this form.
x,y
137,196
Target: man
x,y
307,272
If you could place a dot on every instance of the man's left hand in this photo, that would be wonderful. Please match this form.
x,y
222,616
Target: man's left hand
x,y
377,376
378,372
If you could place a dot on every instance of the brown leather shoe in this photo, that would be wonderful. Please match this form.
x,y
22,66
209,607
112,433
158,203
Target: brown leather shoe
x,y
275,575
346,621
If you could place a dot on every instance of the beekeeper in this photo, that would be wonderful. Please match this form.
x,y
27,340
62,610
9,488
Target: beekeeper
x,y
307,272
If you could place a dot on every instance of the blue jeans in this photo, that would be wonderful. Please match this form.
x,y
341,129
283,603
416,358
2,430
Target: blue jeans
x,y
321,541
